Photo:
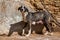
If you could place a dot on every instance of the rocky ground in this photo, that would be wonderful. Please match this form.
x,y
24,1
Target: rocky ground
x,y
15,36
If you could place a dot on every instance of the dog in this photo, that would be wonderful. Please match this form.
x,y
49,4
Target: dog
x,y
42,17
17,27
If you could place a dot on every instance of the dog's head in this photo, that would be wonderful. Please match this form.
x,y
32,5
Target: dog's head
x,y
23,9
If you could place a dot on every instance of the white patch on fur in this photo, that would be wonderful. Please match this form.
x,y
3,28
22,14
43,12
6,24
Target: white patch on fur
x,y
23,32
40,22
33,23
29,33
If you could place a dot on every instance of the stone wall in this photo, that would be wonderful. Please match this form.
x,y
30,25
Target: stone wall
x,y
8,14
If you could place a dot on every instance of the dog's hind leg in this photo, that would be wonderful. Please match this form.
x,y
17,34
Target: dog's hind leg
x,y
48,27
10,32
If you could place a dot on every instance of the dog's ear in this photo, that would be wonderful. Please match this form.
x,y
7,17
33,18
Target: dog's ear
x,y
26,9
20,8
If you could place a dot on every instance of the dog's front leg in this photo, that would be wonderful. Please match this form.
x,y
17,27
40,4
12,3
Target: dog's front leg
x,y
29,32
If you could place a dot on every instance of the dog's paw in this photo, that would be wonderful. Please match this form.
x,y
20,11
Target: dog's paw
x,y
48,33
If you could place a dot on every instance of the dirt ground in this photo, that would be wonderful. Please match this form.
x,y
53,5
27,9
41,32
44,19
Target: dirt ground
x,y
15,36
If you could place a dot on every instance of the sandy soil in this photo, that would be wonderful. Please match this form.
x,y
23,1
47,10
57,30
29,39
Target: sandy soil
x,y
15,36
